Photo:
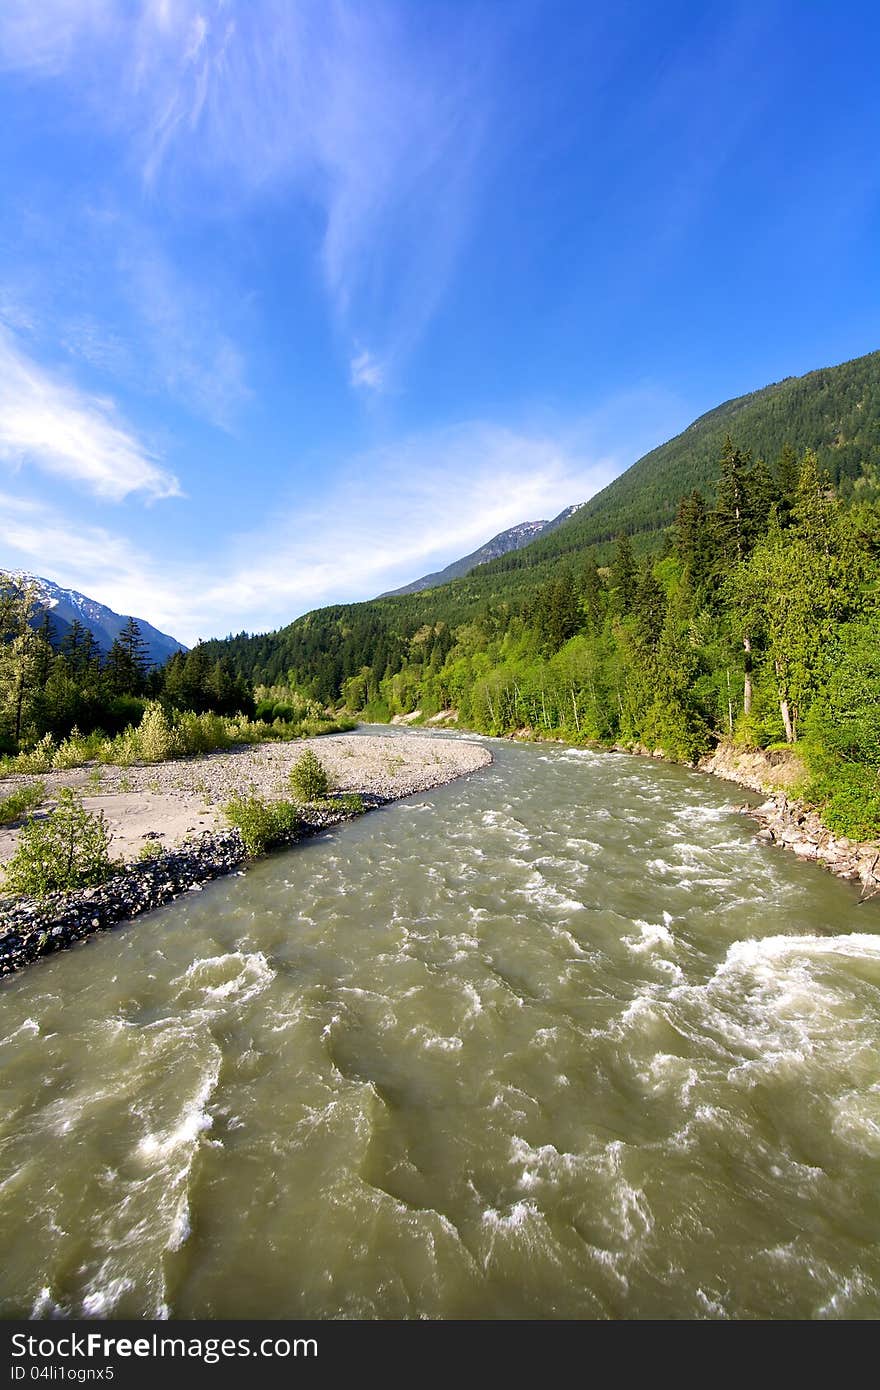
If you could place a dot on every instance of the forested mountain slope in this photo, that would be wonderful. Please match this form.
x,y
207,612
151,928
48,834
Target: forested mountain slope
x,y
834,411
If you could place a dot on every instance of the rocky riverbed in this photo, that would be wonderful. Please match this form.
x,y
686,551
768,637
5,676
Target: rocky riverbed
x,y
791,823
176,807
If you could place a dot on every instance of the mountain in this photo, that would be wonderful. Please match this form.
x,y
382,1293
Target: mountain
x,y
66,605
835,411
513,539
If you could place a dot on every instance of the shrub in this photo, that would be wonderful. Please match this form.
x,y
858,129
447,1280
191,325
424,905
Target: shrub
x,y
308,777
262,823
69,848
75,751
149,851
15,807
155,736
201,733
37,759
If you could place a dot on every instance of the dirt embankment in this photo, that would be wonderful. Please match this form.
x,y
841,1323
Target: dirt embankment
x,y
790,822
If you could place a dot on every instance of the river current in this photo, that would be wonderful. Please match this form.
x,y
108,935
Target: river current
x,y
556,1040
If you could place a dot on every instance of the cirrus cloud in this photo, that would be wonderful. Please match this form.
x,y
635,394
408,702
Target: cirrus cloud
x,y
50,425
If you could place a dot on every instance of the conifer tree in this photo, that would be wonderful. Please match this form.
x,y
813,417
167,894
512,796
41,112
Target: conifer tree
x,y
622,578
787,473
733,521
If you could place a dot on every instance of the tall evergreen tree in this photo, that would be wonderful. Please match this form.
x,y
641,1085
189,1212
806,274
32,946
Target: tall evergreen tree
x,y
622,577
693,540
787,474
733,520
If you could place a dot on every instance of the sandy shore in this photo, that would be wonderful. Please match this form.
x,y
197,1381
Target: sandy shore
x,y
168,802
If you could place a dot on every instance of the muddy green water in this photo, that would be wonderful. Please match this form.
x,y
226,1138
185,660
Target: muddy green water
x,y
558,1040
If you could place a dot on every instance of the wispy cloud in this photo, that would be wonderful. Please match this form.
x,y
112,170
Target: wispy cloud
x,y
189,354
366,371
394,513
80,555
376,119
52,426
110,295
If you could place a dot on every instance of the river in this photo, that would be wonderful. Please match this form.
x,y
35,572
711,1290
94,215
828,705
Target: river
x,y
556,1040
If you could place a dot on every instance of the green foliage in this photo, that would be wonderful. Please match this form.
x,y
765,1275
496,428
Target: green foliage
x,y
849,797
40,758
845,720
350,802
262,823
155,735
68,849
15,807
843,734
149,851
308,777
160,735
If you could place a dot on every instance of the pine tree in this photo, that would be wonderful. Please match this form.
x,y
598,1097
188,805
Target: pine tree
x,y
787,474
649,605
623,577
692,539
135,648
592,597
73,646
733,522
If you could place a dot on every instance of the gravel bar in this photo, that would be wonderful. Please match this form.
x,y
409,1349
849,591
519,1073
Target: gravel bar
x,y
179,803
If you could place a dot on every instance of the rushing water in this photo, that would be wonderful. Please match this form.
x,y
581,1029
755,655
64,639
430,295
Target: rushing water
x,y
557,1040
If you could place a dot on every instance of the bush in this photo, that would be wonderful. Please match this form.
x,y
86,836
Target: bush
x,y
262,823
849,799
155,735
68,849
76,750
15,807
308,777
36,759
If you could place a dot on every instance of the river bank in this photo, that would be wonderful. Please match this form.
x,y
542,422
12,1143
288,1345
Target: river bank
x,y
176,807
789,822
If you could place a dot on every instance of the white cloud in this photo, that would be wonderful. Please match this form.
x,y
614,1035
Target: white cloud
x,y
187,353
366,371
44,38
62,431
395,513
377,124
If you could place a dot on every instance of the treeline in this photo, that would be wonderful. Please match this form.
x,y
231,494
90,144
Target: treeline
x,y
54,688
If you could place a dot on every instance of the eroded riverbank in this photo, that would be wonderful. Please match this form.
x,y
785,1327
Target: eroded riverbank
x,y
789,822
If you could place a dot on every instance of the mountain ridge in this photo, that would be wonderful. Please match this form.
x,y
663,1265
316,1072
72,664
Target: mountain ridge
x,y
65,606
514,538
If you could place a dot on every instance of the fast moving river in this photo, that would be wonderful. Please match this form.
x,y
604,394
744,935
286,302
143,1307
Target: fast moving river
x,y
558,1040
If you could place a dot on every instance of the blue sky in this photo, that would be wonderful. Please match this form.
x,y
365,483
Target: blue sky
x,y
301,300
